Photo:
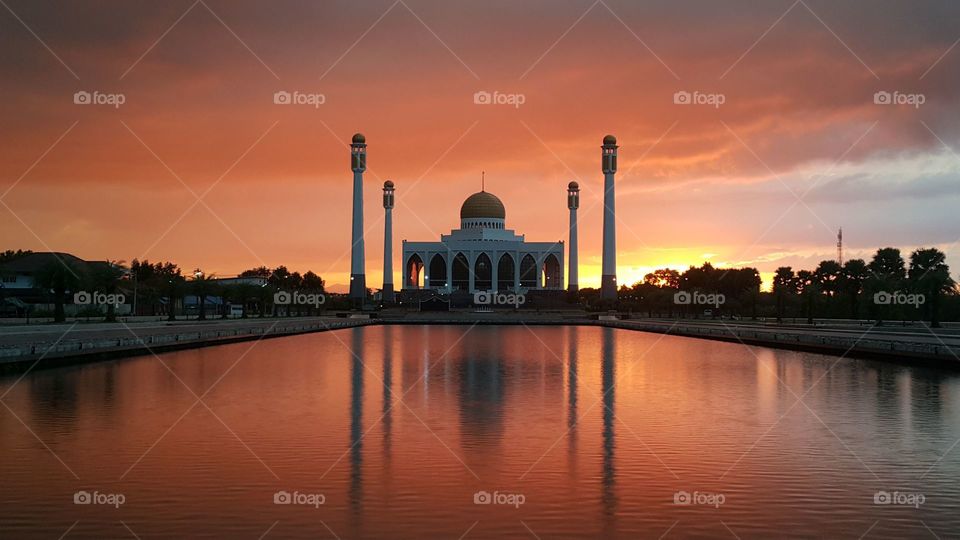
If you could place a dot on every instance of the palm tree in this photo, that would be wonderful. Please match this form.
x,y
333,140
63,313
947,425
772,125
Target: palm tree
x,y
202,286
783,287
807,287
855,274
929,275
105,277
889,272
58,277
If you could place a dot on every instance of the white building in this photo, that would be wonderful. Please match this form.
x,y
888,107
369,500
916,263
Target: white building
x,y
482,255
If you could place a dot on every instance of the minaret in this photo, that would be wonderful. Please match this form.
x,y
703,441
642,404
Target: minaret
x,y
608,275
358,162
387,289
573,202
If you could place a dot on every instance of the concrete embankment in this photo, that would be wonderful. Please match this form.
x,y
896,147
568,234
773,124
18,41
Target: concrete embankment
x,y
51,346
72,349
875,343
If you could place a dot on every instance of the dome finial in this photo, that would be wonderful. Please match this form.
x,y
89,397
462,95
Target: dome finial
x,y
483,180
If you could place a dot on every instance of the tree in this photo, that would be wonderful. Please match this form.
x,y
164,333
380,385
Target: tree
x,y
783,288
888,274
852,280
9,255
202,286
807,288
663,278
930,276
59,277
105,277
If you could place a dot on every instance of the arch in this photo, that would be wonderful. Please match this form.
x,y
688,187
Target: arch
x,y
461,272
414,269
551,272
438,272
505,271
528,272
483,273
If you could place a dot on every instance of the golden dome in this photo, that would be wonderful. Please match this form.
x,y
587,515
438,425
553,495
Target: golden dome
x,y
482,205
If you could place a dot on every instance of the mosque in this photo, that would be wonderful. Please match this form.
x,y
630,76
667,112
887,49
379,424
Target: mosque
x,y
483,255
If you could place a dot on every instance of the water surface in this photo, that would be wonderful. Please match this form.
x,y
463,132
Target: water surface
x,y
598,432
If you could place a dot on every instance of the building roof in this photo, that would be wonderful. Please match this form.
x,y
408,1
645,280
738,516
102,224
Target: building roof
x,y
482,205
34,262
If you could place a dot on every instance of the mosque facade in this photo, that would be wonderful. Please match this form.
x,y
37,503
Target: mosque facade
x,y
482,255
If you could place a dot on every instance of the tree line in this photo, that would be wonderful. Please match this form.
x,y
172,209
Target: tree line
x,y
885,289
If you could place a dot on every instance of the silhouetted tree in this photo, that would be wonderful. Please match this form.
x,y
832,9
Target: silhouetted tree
x,y
930,276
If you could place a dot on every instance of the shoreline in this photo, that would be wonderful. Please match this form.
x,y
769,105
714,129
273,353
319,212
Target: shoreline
x,y
889,344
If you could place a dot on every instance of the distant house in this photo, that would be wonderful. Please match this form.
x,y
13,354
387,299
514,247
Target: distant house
x,y
18,288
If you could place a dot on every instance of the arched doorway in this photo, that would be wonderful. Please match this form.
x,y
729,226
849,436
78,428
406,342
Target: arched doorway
x,y
528,272
461,272
551,272
505,270
438,272
483,273
414,269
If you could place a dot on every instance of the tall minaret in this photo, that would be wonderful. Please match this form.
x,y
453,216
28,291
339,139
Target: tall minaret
x,y
358,162
573,202
387,289
608,275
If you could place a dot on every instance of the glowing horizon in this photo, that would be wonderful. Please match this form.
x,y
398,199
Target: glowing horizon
x,y
801,143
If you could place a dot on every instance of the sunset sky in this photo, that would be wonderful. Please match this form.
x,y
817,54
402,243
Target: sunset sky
x,y
797,149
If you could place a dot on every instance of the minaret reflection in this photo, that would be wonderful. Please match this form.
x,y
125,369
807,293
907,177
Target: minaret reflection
x,y
387,395
608,492
572,395
356,421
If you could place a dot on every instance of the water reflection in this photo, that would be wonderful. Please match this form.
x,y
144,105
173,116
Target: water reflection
x,y
357,368
608,492
494,397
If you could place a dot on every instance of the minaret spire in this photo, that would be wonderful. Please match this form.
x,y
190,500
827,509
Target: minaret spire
x,y
358,163
608,274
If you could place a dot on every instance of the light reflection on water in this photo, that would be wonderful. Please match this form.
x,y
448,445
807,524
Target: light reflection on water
x,y
399,427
